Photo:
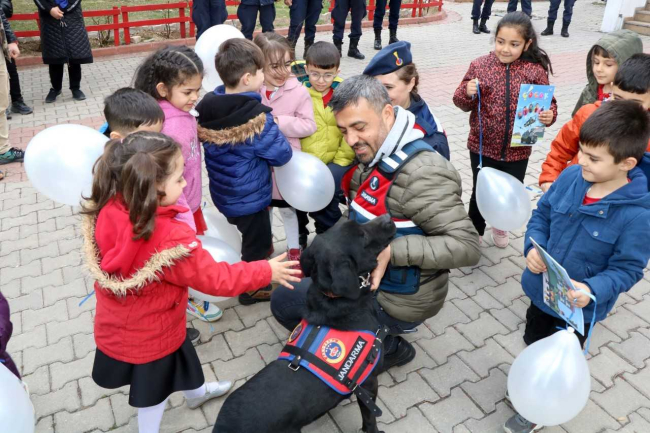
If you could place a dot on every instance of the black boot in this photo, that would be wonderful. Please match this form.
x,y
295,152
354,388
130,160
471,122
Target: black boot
x,y
353,51
483,28
549,28
377,45
475,28
307,45
292,45
393,36
339,46
565,29
398,352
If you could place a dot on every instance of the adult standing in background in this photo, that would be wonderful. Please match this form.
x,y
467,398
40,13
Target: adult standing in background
x,y
307,12
247,13
357,9
17,103
552,16
526,7
483,15
207,13
393,19
64,40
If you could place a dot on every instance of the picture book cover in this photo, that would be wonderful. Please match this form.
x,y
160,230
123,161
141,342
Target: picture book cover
x,y
533,99
556,288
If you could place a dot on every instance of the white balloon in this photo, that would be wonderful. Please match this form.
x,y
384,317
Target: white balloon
x,y
220,252
305,182
59,161
549,381
207,47
16,409
220,228
502,199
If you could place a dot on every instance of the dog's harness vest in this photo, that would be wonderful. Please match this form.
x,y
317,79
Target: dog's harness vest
x,y
341,359
371,202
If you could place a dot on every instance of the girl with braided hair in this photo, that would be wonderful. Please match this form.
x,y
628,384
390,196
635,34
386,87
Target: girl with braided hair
x,y
143,260
172,75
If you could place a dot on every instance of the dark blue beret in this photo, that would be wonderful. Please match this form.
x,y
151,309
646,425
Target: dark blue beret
x,y
390,59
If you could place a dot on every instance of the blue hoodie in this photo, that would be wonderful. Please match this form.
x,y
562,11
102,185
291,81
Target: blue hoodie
x,y
605,245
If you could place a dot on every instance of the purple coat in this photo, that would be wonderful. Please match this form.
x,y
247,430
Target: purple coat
x,y
6,328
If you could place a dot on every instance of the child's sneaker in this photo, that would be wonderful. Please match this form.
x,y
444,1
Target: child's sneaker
x,y
194,335
519,424
213,390
500,238
204,310
294,254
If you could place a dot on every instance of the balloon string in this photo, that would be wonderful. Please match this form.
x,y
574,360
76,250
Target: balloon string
x,y
593,319
86,298
480,128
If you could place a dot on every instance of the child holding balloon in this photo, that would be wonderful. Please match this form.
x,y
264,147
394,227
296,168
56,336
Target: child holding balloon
x,y
143,261
292,111
172,75
595,222
517,59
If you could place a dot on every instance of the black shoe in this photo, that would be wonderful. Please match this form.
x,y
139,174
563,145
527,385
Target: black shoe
x,y
483,28
565,30
393,37
51,96
12,155
260,295
8,113
548,31
354,52
307,45
78,95
404,354
377,44
193,335
20,107
475,28
339,46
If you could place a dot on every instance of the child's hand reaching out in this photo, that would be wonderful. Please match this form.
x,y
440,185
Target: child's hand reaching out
x,y
281,271
535,262
546,117
578,298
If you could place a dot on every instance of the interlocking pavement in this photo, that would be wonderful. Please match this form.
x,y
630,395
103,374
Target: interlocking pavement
x,y
456,382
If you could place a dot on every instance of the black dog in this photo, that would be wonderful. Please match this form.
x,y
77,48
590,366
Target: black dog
x,y
281,400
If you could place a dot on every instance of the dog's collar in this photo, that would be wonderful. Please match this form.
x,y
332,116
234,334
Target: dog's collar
x,y
364,281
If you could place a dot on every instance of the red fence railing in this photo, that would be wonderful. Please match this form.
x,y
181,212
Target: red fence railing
x,y
183,17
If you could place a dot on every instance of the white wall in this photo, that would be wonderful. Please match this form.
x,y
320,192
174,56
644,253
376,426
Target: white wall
x,y
616,10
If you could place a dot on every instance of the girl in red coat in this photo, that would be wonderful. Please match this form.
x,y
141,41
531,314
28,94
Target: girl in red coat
x,y
517,59
143,260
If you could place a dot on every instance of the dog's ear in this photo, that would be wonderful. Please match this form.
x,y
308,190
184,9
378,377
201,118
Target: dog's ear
x,y
345,282
307,262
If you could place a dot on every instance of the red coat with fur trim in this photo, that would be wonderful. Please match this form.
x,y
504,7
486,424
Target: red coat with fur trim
x,y
142,284
499,85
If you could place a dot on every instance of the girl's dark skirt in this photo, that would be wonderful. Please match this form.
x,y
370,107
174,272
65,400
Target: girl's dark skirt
x,y
153,382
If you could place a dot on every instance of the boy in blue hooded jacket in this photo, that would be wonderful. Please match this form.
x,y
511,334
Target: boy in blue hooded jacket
x,y
595,221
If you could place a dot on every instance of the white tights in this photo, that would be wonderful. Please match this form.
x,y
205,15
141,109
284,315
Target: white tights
x,y
290,219
149,418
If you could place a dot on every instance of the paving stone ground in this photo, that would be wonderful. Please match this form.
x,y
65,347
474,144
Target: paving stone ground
x,y
457,381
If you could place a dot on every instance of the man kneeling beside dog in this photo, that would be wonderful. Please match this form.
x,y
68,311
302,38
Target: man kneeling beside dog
x,y
367,283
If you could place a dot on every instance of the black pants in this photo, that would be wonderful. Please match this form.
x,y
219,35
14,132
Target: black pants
x,y
208,13
307,12
357,9
568,10
14,81
487,9
256,235
526,6
540,325
516,168
380,12
56,76
247,15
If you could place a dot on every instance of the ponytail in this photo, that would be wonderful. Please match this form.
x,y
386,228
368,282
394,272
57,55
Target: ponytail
x,y
134,167
534,54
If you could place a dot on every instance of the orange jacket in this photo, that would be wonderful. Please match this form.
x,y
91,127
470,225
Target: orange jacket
x,y
564,148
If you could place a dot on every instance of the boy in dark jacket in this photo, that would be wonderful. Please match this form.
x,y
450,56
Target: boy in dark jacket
x,y
241,143
595,221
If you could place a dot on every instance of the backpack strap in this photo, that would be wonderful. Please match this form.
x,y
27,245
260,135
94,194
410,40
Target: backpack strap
x,y
391,165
